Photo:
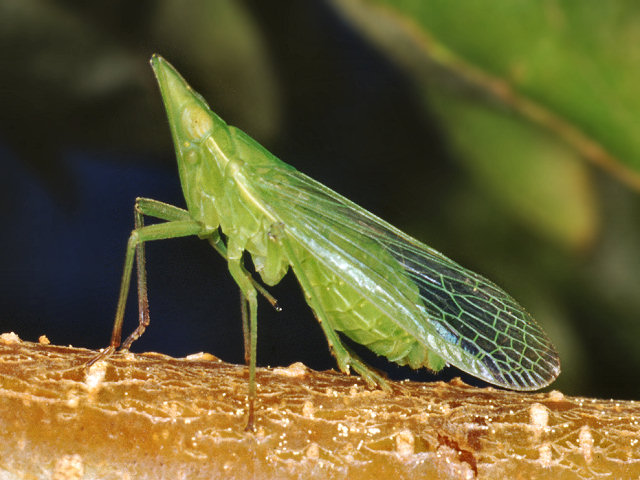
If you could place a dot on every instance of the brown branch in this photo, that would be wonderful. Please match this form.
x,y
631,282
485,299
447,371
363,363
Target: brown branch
x,y
152,416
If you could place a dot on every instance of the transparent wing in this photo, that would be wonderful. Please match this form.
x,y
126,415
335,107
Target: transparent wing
x,y
468,320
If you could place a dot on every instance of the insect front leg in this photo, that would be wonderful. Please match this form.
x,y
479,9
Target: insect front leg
x,y
143,298
249,296
150,208
172,229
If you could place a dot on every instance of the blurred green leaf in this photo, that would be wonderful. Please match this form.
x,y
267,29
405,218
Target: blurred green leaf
x,y
534,177
557,64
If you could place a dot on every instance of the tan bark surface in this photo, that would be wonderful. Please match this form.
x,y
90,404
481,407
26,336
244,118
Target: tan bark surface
x,y
152,416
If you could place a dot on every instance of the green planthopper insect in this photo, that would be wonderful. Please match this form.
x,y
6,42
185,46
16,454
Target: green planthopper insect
x,y
361,276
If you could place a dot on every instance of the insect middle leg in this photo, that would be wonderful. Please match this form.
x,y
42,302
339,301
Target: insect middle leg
x,y
249,295
217,243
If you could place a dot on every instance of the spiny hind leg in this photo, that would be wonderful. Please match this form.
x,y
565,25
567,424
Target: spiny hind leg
x,y
345,358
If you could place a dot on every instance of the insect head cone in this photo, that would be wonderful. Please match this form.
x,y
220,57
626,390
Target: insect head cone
x,y
193,128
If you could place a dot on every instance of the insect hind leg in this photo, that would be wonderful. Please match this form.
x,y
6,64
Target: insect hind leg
x,y
345,357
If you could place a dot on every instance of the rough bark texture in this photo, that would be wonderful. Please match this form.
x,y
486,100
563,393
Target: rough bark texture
x,y
151,416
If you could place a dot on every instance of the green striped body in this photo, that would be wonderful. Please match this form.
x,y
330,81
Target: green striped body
x,y
361,276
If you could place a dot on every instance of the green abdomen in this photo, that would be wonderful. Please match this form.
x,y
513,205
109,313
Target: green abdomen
x,y
349,312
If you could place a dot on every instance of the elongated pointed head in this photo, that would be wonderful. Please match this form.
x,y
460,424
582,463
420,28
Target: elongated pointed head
x,y
199,136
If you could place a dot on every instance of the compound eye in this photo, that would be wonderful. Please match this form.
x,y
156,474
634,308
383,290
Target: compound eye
x,y
197,122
